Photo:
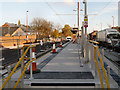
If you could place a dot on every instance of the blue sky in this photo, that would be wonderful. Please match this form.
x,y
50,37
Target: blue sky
x,y
100,13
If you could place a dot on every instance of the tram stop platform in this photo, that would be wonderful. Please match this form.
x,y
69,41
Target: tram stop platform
x,y
62,69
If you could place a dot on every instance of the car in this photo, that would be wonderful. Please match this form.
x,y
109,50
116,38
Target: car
x,y
68,38
117,47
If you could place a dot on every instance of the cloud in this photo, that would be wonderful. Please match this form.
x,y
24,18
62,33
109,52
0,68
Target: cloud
x,y
21,0
68,2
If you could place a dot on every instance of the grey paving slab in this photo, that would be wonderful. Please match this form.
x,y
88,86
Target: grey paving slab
x,y
66,61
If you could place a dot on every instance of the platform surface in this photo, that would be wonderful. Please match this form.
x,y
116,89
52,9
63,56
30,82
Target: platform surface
x,y
65,64
66,61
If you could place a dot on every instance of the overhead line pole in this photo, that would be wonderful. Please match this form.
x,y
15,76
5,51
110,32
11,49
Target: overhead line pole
x,y
78,18
85,15
27,26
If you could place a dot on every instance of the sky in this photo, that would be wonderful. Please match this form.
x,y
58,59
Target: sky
x,y
60,12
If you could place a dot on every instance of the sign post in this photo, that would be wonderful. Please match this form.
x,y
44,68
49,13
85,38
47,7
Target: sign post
x,y
86,21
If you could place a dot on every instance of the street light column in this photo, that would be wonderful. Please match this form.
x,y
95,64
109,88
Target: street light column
x,y
85,45
113,21
78,18
85,15
27,26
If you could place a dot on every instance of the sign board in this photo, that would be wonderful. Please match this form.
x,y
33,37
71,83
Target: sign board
x,y
86,21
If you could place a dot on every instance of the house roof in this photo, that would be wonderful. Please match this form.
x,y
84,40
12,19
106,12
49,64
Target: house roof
x,y
4,30
25,29
9,30
10,25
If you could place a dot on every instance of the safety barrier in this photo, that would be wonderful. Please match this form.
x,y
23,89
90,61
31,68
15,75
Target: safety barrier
x,y
103,69
93,42
23,73
91,54
12,72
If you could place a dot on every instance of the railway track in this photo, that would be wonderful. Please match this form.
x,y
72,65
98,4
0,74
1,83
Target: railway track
x,y
112,55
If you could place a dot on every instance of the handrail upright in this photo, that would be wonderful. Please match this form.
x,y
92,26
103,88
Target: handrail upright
x,y
14,68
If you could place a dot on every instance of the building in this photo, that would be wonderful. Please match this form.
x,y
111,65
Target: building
x,y
9,25
117,28
13,34
12,31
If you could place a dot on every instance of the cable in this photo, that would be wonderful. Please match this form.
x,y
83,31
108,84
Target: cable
x,y
105,6
54,12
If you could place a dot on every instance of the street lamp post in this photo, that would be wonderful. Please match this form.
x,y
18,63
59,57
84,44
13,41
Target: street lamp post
x,y
113,21
84,1
85,16
78,14
78,18
27,26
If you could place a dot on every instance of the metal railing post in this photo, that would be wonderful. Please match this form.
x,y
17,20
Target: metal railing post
x,y
9,71
12,72
96,73
103,56
92,60
87,50
91,55
31,76
22,80
108,72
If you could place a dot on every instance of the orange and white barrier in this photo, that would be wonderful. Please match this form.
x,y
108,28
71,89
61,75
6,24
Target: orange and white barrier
x,y
61,43
34,65
54,50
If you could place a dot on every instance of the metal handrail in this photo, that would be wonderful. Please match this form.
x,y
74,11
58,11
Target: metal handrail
x,y
15,68
104,73
103,69
101,81
23,73
93,41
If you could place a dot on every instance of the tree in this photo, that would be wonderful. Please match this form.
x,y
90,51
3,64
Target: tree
x,y
66,31
42,27
56,33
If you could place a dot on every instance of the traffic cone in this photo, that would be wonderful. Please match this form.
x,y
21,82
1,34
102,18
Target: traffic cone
x,y
54,50
41,43
61,44
34,66
26,38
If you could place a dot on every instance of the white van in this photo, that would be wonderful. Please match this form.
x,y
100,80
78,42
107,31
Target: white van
x,y
68,38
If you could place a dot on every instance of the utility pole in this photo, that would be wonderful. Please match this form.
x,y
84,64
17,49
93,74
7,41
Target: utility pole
x,y
78,18
113,21
101,26
27,26
85,15
85,25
